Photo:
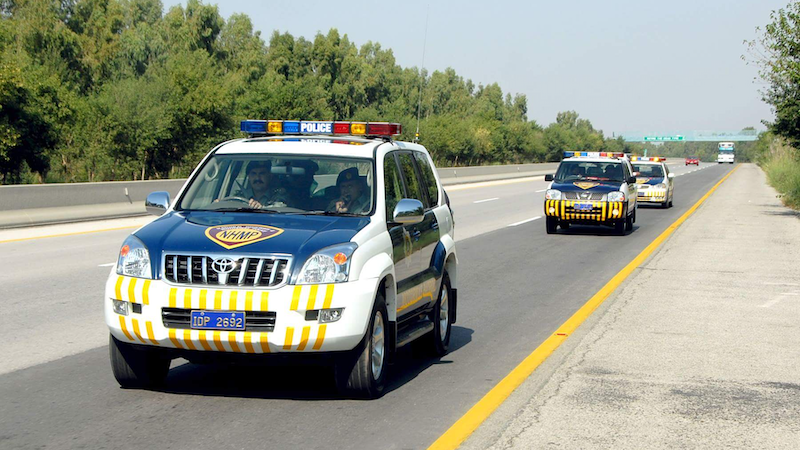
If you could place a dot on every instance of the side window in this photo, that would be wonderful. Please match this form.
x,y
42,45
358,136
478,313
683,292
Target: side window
x,y
392,184
413,188
430,180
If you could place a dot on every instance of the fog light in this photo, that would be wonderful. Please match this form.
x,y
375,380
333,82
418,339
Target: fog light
x,y
330,315
552,210
615,212
120,307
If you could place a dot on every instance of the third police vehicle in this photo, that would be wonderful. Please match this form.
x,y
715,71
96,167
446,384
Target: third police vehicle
x,y
326,241
591,188
655,184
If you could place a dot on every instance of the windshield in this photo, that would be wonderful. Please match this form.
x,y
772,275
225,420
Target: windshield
x,y
586,170
649,170
282,184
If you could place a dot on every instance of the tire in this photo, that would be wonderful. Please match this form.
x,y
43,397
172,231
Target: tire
x,y
629,223
619,227
134,367
564,225
550,224
355,373
437,342
670,202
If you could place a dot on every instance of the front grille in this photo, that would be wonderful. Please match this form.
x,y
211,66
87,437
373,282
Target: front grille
x,y
576,196
271,271
263,321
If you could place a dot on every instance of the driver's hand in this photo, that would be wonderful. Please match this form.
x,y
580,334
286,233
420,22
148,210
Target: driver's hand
x,y
255,204
340,206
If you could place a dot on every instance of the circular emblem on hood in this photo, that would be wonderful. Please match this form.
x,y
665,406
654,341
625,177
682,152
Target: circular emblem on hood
x,y
223,265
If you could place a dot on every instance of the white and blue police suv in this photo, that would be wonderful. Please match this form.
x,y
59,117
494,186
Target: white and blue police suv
x,y
591,188
327,241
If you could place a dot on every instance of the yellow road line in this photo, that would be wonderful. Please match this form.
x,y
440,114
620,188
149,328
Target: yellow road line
x,y
469,422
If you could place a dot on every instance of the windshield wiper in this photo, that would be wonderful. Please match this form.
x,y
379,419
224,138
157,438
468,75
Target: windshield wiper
x,y
243,209
328,213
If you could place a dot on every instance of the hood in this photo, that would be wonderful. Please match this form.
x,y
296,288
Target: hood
x,y
649,180
589,186
296,235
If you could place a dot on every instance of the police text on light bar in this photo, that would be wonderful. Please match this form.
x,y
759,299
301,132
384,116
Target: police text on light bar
x,y
273,127
593,155
648,158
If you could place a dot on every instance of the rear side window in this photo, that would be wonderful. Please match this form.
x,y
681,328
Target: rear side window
x,y
392,184
413,185
430,180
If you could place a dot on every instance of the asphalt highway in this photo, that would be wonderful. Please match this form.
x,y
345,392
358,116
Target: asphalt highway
x,y
517,285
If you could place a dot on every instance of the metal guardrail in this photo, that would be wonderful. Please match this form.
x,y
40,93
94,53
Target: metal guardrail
x,y
39,204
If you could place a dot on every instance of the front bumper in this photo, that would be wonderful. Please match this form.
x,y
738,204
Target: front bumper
x,y
652,195
291,333
600,212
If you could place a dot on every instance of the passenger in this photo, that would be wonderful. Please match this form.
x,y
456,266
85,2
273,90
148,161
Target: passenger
x,y
258,190
353,193
614,172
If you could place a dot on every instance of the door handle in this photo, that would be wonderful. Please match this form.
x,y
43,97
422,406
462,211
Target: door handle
x,y
416,235
435,225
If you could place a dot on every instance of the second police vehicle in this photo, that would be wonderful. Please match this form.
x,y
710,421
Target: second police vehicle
x,y
655,184
326,241
591,188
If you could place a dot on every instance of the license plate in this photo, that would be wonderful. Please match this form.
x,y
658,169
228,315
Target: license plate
x,y
583,207
214,320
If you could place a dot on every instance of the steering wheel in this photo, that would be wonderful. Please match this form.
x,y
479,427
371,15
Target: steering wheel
x,y
236,198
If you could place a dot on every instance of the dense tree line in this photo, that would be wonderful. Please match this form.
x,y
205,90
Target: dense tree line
x,y
118,89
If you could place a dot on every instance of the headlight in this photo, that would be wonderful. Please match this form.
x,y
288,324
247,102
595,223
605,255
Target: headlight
x,y
329,265
552,194
616,196
661,186
134,259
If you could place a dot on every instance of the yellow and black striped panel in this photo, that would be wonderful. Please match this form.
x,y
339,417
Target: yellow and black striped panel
x,y
565,209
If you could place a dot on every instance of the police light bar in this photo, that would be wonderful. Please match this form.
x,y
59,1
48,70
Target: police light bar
x,y
593,155
269,127
649,158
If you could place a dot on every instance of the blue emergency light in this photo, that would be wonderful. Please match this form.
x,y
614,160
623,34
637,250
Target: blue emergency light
x,y
306,127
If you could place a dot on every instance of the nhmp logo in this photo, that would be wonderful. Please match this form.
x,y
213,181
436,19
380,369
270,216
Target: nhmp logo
x,y
585,184
233,236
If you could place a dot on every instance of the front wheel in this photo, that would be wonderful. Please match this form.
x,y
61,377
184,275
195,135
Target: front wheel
x,y
619,227
550,224
137,367
363,374
629,223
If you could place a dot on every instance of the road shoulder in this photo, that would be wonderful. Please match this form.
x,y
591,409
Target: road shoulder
x,y
699,348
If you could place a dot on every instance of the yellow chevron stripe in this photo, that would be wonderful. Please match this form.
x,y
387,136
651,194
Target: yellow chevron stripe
x,y
118,287
603,205
264,301
218,340
187,298
174,338
304,338
187,339
232,302
248,342
204,340
232,342
287,341
218,300
146,292
203,294
295,298
136,330
328,297
248,301
173,302
563,208
150,335
312,297
132,291
320,337
125,328
264,343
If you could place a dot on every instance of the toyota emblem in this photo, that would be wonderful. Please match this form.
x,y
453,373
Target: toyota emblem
x,y
223,265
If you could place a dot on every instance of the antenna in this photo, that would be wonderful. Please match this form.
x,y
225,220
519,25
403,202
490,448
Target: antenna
x,y
421,72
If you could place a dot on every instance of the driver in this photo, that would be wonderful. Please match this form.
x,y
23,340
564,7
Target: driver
x,y
259,192
353,193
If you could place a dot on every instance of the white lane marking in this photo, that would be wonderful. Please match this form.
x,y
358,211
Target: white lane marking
x,y
782,284
524,221
777,299
480,184
487,200
106,265
541,190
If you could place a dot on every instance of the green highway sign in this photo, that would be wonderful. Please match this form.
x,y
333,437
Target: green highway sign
x,y
663,138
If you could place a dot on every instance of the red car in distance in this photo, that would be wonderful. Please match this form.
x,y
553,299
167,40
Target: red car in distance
x,y
692,160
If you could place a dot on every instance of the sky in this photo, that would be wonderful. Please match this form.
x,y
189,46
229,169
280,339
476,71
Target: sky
x,y
625,65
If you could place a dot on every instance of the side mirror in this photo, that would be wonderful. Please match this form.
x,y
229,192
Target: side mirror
x,y
670,175
408,212
548,177
631,180
157,203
